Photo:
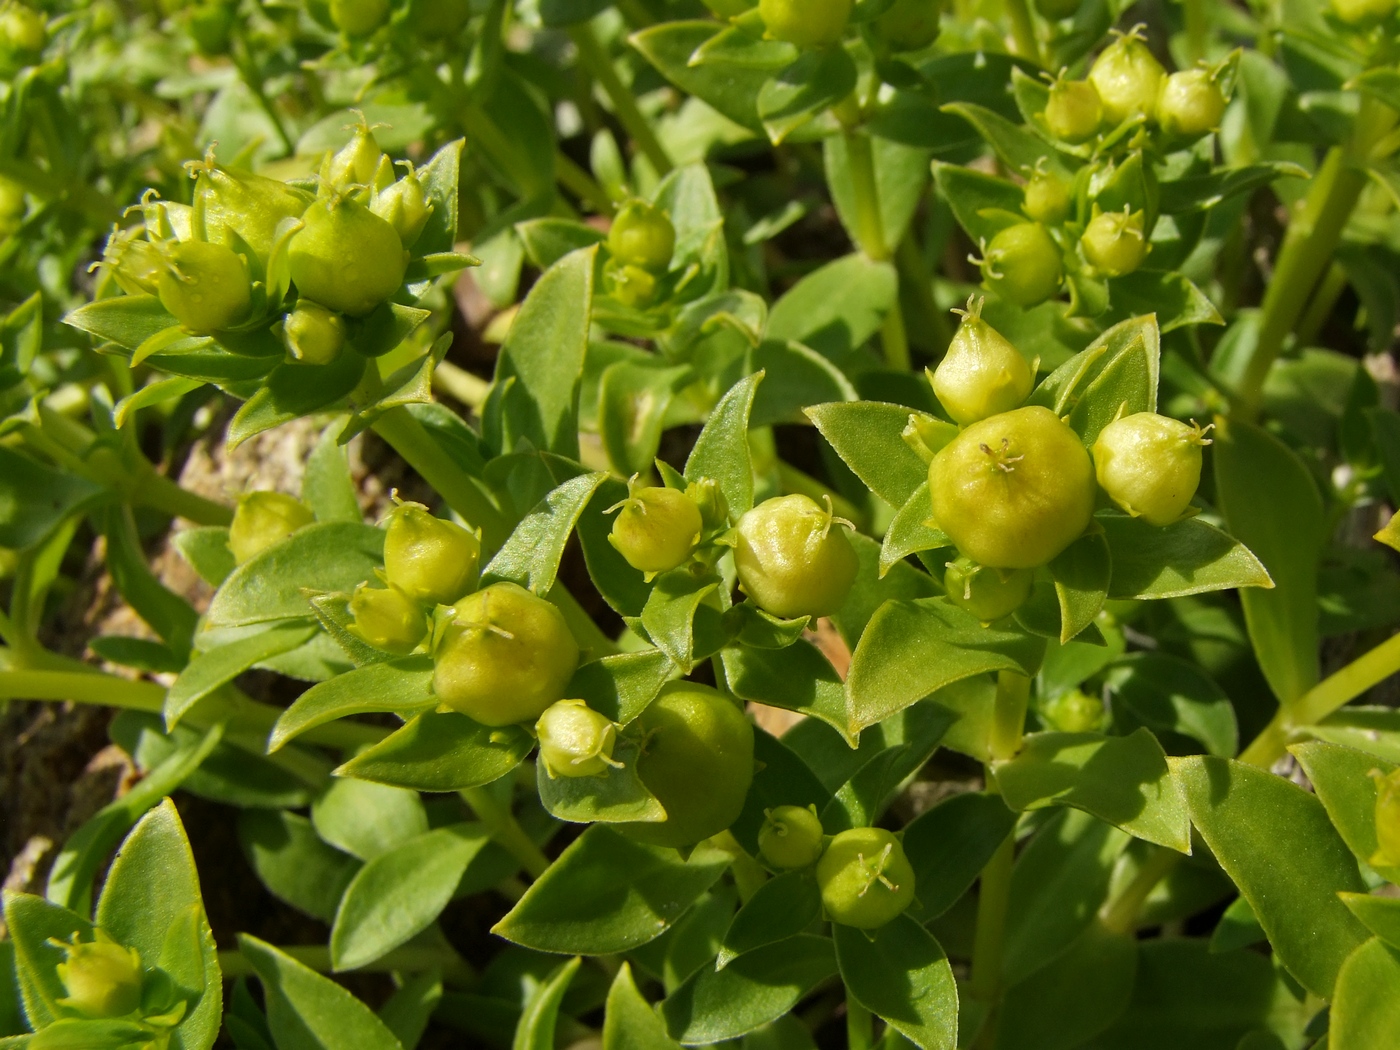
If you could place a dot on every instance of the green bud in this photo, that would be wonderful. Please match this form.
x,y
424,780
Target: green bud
x,y
865,878
204,286
642,235
263,520
988,594
313,334
102,978
1074,111
909,25
791,837
22,30
631,285
430,559
806,23
387,619
575,740
1127,77
982,374
405,206
656,528
240,202
1074,712
1363,12
709,497
791,558
1150,465
1114,242
1190,103
346,257
134,262
1387,819
1022,264
358,17
356,161
1047,198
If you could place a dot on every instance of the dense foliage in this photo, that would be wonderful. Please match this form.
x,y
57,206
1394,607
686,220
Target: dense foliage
x,y
894,546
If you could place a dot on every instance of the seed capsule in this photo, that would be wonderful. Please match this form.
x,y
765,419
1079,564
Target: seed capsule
x,y
575,740
405,206
1022,264
1074,712
1150,465
642,235
102,978
1074,110
806,23
909,25
430,559
1127,77
1114,242
1046,198
314,335
988,594
791,560
387,619
656,528
204,286
1363,12
23,30
346,257
1190,103
263,520
982,374
358,17
791,837
865,878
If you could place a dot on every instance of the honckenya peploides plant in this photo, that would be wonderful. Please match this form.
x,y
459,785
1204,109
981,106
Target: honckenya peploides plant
x,y
778,524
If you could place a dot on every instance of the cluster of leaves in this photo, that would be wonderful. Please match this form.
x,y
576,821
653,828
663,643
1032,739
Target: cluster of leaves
x,y
1112,869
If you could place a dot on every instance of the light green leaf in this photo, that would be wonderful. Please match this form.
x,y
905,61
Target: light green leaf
x,y
1366,1011
365,819
1380,915
616,795
866,435
1341,778
441,752
35,499
629,1022
403,685
213,668
623,684
327,487
782,907
836,308
33,923
410,1009
294,863
729,88
911,531
530,557
206,549
541,1014
1082,572
721,452
798,678
1185,557
899,973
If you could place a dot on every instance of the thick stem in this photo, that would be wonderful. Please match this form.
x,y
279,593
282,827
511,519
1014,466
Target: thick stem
x,y
1009,714
455,969
1120,914
160,493
870,226
469,389
1320,307
506,830
1023,32
860,1026
599,64
894,338
581,184
1197,29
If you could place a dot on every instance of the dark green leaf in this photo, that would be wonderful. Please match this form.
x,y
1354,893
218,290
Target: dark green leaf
x,y
216,667
1365,1014
541,1014
911,531
616,795
819,78
35,499
835,309
782,907
206,549
1341,778
630,1023
294,863
951,843
731,89
622,685
1167,693
367,819
1082,572
798,678
1185,557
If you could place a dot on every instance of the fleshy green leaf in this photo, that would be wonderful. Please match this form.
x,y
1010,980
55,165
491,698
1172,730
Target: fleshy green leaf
x,y
732,89
1167,693
819,78
782,907
835,309
911,531
798,678
1365,1014
541,1014
294,863
630,1023
866,435
1380,915
216,667
1341,778
441,751
1185,557
951,843
1082,572
721,452
34,499
530,557
899,973
206,549
616,795
622,685
403,685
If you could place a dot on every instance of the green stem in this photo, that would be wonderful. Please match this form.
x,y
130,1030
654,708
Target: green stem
x,y
600,65
462,492
253,81
894,338
914,274
455,969
506,830
469,389
860,1026
1120,915
1009,715
1320,307
1197,29
1023,32
581,184
870,226
160,493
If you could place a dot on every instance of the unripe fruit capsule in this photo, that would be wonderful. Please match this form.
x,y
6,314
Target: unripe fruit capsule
x,y
806,23
656,529
631,285
1150,465
1114,242
204,286
1387,818
909,25
988,594
865,878
358,17
1074,110
1014,490
697,760
1046,198
1127,77
241,202
575,740
102,978
22,29
504,657
982,374
791,560
791,837
1190,103
314,335
263,520
1022,264
346,257
1074,712
1362,12
355,163
430,559
387,619
405,206
642,235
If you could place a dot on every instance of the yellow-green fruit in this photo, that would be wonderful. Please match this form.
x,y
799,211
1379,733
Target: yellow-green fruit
x,y
1022,264
387,619
1114,242
806,23
909,25
1387,819
1046,198
642,235
697,760
504,656
405,206
355,163
656,529
1359,12
204,286
1127,77
1150,465
263,520
1074,110
1014,490
1190,103
430,559
22,29
792,559
982,374
249,205
631,285
358,17
1074,712
865,878
575,740
314,335
346,257
988,594
102,978
791,837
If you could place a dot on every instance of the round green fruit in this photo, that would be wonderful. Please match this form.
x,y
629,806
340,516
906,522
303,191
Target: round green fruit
x,y
204,286
1074,110
358,17
642,235
697,759
791,837
1127,77
346,257
1114,242
988,594
22,29
806,23
1190,103
575,740
791,560
387,619
1074,712
1022,264
1046,198
1150,465
313,334
982,374
865,878
1014,490
910,25
504,656
264,519
656,529
430,559
102,978
1363,12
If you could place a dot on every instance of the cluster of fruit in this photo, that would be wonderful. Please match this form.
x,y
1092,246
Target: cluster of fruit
x,y
641,242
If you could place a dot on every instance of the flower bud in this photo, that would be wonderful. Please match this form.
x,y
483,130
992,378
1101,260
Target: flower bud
x,y
806,23
358,17
1114,242
988,594
656,529
909,25
387,619
642,235
1387,819
23,30
1150,465
709,497
1127,77
134,262
313,334
1074,111
1047,198
102,978
356,161
405,206
346,257
1190,103
575,740
865,878
204,286
263,520
504,656
1074,712
631,285
1054,10
791,560
242,203
982,374
1022,264
1362,12
791,837
430,559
